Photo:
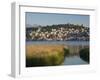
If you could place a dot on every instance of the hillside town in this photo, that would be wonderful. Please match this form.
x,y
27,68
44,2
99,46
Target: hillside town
x,y
60,32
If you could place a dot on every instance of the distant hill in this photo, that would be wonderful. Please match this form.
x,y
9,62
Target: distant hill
x,y
55,26
28,25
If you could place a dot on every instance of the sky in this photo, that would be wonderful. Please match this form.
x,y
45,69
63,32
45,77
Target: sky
x,y
55,18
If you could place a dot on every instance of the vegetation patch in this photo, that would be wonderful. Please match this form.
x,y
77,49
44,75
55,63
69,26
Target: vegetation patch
x,y
44,55
84,54
66,52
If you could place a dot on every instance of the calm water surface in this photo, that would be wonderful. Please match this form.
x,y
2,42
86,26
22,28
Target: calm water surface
x,y
74,47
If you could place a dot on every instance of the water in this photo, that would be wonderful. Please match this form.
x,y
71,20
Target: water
x,y
74,48
74,60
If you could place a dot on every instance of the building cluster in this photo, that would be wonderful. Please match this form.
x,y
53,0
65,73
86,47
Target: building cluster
x,y
59,34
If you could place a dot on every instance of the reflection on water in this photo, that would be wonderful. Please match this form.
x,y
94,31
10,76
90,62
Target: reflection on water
x,y
73,60
74,49
73,46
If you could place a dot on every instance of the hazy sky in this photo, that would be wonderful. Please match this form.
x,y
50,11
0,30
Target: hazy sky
x,y
52,18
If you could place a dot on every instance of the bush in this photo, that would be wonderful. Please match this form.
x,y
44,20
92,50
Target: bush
x,y
49,60
84,54
66,52
44,56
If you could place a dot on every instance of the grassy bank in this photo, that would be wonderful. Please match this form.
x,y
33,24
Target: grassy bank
x,y
44,55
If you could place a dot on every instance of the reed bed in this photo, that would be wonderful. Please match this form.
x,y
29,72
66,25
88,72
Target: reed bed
x,y
44,55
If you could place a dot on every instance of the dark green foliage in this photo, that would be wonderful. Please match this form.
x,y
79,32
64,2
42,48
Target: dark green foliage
x,y
66,52
84,54
34,62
